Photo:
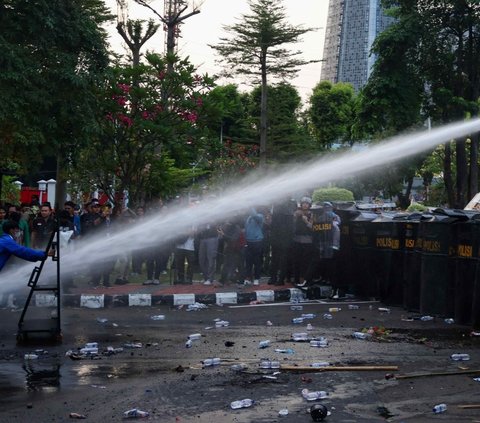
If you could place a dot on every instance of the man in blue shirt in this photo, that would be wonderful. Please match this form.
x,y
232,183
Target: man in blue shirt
x,y
9,247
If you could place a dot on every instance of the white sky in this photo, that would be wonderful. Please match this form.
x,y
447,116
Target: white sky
x,y
207,27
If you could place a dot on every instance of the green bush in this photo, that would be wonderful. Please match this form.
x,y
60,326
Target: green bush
x,y
332,194
417,207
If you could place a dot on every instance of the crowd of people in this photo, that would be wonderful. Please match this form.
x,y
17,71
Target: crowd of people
x,y
288,242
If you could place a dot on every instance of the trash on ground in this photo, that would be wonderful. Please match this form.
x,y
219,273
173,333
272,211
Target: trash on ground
x,y
133,345
229,343
300,336
189,343
314,395
209,362
297,320
309,326
77,416
284,351
384,310
90,348
245,403
195,336
361,335
308,316
264,344
102,320
135,413
327,316
427,318
269,323
449,321
296,307
283,412
196,307
334,309
267,364
158,317
460,357
440,408
238,367
353,307
222,324
30,356
319,342
318,364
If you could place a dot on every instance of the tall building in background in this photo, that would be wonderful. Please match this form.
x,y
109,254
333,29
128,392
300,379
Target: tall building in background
x,y
352,27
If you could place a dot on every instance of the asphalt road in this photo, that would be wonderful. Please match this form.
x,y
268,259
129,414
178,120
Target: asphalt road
x,y
168,380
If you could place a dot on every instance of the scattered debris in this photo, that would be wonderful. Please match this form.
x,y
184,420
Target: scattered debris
x,y
384,412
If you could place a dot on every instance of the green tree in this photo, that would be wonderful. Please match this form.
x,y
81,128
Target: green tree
x,y
332,112
257,49
138,131
287,137
52,55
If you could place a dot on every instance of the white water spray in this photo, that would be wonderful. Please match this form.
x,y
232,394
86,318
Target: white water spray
x,y
256,190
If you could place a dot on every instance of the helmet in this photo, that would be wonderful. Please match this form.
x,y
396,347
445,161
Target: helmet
x,y
306,200
318,412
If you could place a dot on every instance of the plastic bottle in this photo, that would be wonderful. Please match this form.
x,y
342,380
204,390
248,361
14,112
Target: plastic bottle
x,y
264,344
245,403
334,309
283,412
296,307
77,416
30,356
314,395
308,316
135,413
353,307
327,316
222,324
449,321
238,367
102,320
426,318
297,320
158,317
188,344
194,336
440,408
211,362
360,335
460,357
300,336
309,326
383,310
267,364
285,351
319,343
320,364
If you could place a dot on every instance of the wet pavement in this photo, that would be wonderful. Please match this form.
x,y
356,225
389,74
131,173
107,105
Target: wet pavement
x,y
168,380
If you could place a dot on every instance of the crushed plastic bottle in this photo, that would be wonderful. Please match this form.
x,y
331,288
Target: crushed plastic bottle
x,y
308,316
426,318
208,362
245,403
384,310
196,307
283,412
353,307
222,324
460,357
327,316
90,348
135,413
449,321
319,343
264,344
189,343
360,335
158,317
314,395
297,320
195,336
300,336
440,408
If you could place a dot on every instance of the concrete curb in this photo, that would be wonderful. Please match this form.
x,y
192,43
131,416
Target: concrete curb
x,y
148,300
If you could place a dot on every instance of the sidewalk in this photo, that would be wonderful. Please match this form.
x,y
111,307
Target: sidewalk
x,y
151,295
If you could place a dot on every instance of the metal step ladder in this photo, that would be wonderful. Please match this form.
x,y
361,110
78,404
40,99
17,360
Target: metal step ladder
x,y
50,326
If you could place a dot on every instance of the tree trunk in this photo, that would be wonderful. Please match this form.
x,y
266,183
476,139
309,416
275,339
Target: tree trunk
x,y
447,174
263,115
462,174
473,174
